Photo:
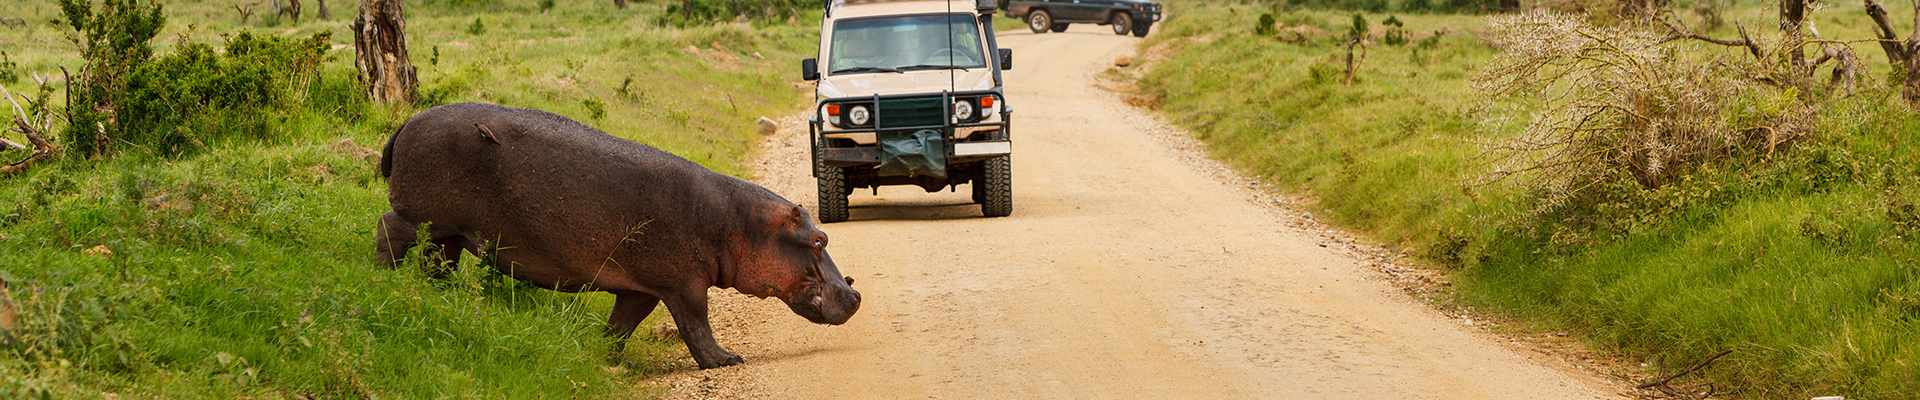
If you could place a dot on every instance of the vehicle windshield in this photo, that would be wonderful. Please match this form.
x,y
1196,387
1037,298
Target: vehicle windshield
x,y
902,43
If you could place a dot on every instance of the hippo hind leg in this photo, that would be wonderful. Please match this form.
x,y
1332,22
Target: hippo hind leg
x,y
397,235
629,308
392,238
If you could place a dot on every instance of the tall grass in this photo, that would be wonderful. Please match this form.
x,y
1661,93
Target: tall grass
x,y
1801,261
245,270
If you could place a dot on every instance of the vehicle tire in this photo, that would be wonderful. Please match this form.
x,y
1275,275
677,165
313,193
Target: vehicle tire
x,y
997,183
993,188
1121,23
1140,28
833,195
1039,21
1059,27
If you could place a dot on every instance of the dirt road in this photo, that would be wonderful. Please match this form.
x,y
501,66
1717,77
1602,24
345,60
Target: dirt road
x,y
1128,270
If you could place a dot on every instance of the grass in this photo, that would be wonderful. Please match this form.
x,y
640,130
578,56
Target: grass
x,y
1801,262
245,269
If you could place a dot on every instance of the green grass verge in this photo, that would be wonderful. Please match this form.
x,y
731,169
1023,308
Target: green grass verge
x,y
1801,262
244,270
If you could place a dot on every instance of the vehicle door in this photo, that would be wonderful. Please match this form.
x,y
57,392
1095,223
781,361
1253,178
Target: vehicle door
x,y
1073,10
1097,10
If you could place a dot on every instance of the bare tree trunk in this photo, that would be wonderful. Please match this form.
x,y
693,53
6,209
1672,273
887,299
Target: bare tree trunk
x,y
1900,53
324,14
622,4
380,51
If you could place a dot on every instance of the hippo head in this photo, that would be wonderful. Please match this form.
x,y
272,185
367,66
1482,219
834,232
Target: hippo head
x,y
793,265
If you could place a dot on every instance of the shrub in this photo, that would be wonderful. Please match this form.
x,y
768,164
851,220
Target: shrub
x,y
184,100
113,41
9,72
689,12
1396,32
1265,26
477,28
1617,110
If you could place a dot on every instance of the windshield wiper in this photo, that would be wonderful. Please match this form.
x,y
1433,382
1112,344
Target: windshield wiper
x,y
867,69
932,66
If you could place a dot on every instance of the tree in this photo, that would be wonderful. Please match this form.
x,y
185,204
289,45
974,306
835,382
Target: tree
x,y
380,52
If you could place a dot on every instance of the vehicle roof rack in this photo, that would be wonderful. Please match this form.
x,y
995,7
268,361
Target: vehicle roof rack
x,y
978,5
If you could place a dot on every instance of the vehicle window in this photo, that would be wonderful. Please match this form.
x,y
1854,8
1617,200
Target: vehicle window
x,y
940,41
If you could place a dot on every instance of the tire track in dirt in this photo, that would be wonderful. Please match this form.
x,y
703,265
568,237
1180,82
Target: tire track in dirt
x,y
1127,270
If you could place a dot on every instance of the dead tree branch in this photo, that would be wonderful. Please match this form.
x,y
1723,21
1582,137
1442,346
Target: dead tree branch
x,y
1695,367
1675,32
42,147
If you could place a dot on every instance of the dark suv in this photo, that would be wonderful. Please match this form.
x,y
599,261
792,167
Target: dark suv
x,y
1124,15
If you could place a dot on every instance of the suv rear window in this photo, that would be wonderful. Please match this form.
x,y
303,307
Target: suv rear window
x,y
883,44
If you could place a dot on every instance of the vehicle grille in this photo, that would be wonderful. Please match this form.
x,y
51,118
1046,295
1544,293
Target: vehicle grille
x,y
898,113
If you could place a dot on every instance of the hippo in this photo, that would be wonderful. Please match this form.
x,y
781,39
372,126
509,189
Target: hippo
x,y
567,207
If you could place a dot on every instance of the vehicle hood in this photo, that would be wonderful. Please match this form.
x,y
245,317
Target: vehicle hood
x,y
886,83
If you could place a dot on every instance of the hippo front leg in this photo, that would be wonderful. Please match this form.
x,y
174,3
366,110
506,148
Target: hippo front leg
x,y
690,312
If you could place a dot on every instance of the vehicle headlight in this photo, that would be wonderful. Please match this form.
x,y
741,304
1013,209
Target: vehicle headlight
x,y
858,115
962,110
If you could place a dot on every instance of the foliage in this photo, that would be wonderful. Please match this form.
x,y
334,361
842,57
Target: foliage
x,y
1396,32
689,12
1265,26
9,71
184,100
113,41
1359,30
477,28
1613,103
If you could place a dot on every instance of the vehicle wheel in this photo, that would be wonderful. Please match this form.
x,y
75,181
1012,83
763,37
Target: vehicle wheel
x,y
1121,23
1059,27
997,184
1140,28
1039,21
993,187
833,195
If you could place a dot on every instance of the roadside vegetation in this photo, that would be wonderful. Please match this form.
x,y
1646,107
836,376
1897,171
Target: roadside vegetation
x,y
1774,219
218,243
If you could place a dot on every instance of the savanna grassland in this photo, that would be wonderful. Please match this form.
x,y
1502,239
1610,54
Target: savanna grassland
x,y
224,249
1796,253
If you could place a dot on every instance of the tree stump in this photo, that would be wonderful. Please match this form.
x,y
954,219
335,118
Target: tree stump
x,y
380,52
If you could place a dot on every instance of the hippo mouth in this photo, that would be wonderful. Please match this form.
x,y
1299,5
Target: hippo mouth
x,y
826,304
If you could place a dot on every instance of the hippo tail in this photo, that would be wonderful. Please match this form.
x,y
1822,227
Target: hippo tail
x,y
386,154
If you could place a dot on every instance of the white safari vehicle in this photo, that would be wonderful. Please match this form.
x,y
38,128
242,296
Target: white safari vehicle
x,y
908,92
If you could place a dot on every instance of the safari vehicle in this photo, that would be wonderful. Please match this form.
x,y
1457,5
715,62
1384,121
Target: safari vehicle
x,y
908,92
1135,16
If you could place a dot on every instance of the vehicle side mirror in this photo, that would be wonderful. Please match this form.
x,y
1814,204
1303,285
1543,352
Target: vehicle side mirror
x,y
809,69
1006,59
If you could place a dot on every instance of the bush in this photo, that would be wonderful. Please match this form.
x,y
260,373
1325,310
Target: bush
x,y
184,100
1265,26
9,72
177,102
114,43
1621,110
689,12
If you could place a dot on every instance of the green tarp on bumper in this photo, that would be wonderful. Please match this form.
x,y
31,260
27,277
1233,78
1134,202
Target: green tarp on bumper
x,y
917,153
